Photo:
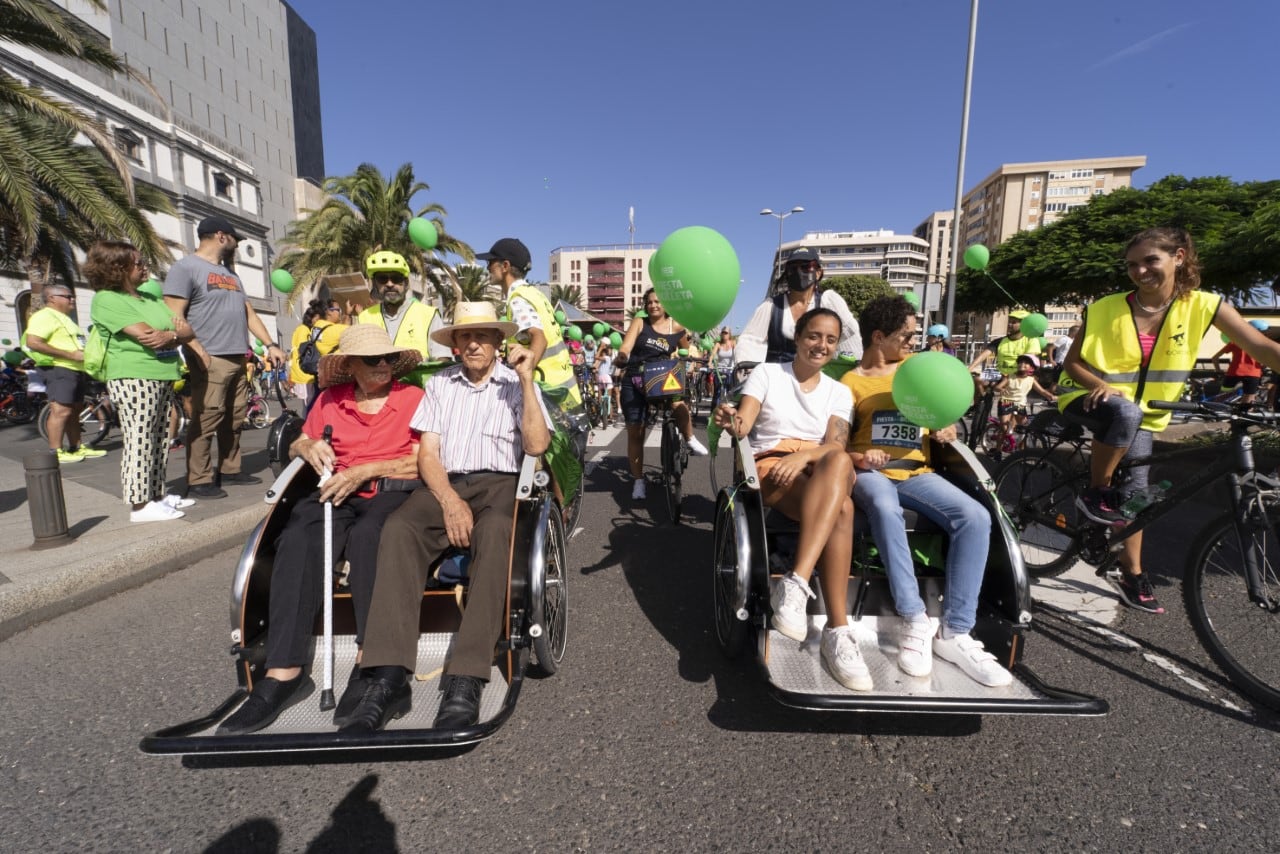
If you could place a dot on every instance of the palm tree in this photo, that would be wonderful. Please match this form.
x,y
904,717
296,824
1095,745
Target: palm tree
x,y
571,294
467,283
53,191
366,212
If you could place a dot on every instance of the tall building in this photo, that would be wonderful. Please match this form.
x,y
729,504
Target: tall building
x,y
899,259
936,231
225,118
612,278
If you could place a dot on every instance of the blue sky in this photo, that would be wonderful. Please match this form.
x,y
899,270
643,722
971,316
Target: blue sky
x,y
548,120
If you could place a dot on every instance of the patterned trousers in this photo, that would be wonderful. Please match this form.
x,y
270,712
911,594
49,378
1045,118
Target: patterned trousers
x,y
143,407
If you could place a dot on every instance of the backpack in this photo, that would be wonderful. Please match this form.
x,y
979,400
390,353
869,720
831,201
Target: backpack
x,y
309,353
95,354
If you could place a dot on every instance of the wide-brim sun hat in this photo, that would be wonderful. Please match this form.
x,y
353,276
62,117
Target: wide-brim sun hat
x,y
473,315
364,339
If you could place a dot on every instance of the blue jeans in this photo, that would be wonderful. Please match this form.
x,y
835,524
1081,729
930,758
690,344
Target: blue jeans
x,y
966,522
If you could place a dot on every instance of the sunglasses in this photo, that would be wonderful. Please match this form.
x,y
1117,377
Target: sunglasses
x,y
333,308
804,265
374,361
393,278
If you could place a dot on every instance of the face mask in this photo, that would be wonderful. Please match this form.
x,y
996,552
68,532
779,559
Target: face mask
x,y
799,279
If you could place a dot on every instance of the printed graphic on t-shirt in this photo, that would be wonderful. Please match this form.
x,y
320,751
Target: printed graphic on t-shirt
x,y
890,428
218,281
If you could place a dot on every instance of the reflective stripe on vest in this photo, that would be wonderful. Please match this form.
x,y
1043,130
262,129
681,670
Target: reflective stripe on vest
x,y
1109,347
557,368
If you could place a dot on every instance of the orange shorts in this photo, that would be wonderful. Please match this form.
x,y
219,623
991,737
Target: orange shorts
x,y
770,458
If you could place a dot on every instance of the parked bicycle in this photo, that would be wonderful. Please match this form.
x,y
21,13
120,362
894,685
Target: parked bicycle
x,y
1231,584
96,418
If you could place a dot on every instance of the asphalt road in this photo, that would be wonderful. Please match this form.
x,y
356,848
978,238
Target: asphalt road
x,y
645,740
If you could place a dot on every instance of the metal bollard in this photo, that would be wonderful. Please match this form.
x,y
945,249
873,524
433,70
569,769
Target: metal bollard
x,y
45,500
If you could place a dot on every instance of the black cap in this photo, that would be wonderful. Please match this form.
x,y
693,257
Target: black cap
x,y
214,224
804,253
509,249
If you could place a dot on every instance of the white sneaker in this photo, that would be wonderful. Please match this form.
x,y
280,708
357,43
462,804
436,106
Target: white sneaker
x,y
789,600
695,447
843,659
637,490
155,511
177,502
915,650
970,656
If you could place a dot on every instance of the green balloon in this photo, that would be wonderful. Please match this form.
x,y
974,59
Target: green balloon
x,y
560,317
152,287
423,233
912,299
976,257
590,339
7,342
575,333
1034,325
599,329
1226,339
932,389
615,340
14,357
642,314
696,275
257,348
682,352
282,280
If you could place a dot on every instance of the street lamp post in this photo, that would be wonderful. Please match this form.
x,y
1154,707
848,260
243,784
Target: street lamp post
x,y
777,261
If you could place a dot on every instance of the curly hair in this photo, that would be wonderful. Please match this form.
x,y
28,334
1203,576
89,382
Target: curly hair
x,y
886,314
109,264
1170,239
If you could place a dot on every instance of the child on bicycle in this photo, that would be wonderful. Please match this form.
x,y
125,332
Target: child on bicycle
x,y
1013,391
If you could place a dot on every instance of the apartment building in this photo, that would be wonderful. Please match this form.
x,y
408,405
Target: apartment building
x,y
900,259
612,277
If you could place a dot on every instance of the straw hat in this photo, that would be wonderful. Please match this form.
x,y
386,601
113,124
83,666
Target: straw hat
x,y
473,315
364,339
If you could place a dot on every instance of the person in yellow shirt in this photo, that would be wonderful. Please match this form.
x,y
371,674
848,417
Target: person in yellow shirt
x,y
408,320
327,317
56,345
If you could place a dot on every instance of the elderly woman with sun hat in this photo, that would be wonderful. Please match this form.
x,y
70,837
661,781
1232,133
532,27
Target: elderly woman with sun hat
x,y
371,448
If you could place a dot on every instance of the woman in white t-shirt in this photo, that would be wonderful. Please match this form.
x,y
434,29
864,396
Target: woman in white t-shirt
x,y
798,421
603,368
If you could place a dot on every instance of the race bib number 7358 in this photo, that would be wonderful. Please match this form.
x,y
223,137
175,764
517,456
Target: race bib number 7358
x,y
890,428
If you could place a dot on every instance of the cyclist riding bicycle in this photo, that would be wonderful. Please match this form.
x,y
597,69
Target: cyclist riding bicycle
x,y
653,338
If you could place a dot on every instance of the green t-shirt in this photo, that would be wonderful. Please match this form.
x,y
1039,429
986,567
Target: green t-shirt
x,y
59,331
111,312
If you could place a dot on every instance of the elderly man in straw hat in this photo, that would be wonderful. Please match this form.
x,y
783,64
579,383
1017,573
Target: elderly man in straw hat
x,y
373,455
477,421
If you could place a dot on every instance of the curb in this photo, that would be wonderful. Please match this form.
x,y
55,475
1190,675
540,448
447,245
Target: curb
x,y
61,592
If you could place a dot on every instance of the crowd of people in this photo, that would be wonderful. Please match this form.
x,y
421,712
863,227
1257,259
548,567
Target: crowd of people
x,y
409,473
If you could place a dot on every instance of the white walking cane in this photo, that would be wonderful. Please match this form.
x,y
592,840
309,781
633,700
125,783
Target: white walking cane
x,y
326,695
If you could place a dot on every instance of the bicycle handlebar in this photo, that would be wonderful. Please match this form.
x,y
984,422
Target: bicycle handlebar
x,y
1216,410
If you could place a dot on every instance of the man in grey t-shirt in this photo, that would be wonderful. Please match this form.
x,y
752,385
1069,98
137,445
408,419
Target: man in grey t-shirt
x,y
202,288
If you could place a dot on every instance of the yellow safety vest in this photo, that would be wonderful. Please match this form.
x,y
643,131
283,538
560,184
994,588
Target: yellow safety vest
x,y
557,368
414,332
1109,347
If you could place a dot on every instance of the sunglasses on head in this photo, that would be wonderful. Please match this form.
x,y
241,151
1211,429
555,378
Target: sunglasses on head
x,y
374,361
393,278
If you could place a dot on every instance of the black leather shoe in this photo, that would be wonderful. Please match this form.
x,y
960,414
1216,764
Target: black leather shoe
x,y
239,477
356,685
206,490
383,701
460,707
268,699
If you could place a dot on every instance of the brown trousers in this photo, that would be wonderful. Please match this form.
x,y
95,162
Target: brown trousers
x,y
219,400
413,537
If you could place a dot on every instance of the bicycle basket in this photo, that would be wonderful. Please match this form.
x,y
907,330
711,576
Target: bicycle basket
x,y
1054,425
663,379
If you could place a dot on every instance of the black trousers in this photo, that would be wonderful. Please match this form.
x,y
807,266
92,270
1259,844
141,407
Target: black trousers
x,y
297,582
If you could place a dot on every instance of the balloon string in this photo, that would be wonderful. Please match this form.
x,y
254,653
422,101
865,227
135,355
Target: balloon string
x,y
1011,297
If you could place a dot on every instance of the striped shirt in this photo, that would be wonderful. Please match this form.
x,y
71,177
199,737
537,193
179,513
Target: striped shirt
x,y
478,425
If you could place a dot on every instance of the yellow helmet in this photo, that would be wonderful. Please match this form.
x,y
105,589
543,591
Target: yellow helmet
x,y
386,262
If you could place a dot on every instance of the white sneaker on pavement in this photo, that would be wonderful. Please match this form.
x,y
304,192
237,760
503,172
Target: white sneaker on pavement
x,y
970,656
789,600
695,447
177,502
637,490
915,647
843,658
155,511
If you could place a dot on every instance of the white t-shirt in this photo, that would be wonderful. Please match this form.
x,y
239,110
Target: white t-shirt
x,y
787,412
1060,348
753,343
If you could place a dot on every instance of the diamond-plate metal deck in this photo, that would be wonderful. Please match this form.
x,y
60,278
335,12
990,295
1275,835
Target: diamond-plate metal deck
x,y
797,667
433,649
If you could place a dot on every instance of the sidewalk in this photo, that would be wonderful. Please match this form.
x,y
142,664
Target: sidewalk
x,y
109,553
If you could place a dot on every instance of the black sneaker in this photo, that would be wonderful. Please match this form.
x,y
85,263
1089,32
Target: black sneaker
x,y
206,490
1100,505
1136,592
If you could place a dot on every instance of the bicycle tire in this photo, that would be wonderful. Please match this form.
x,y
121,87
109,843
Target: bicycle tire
x,y
993,439
20,410
96,421
726,578
671,487
1033,488
42,421
258,415
1241,636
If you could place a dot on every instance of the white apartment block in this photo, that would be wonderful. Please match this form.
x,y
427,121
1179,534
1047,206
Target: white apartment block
x,y
612,277
900,259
